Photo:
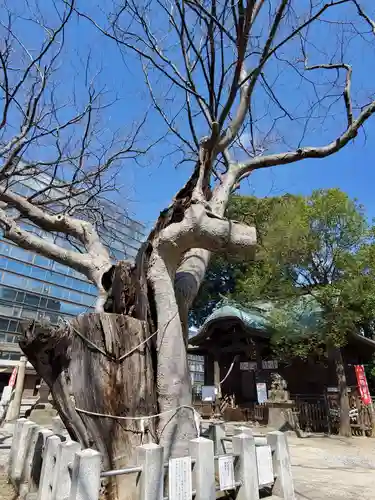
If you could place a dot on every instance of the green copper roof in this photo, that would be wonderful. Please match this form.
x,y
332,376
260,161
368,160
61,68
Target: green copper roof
x,y
255,319
306,309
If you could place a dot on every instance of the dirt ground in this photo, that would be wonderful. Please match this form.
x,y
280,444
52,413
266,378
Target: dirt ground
x,y
333,467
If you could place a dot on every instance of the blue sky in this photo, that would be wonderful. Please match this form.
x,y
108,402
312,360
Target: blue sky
x,y
148,188
351,170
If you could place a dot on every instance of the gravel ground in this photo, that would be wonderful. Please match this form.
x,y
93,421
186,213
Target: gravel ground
x,y
330,467
334,468
6,491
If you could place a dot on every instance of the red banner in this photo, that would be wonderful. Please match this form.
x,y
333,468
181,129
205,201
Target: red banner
x,y
13,377
362,384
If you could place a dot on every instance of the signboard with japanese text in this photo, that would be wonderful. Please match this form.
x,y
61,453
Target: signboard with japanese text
x,y
248,365
226,472
179,484
362,384
262,392
270,364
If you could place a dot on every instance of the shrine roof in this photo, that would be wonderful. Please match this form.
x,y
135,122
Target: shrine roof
x,y
255,319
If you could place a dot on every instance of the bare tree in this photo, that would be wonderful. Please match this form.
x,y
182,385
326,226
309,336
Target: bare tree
x,y
220,74
52,139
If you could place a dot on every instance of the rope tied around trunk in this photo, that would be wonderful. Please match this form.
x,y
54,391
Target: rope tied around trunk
x,y
102,351
142,419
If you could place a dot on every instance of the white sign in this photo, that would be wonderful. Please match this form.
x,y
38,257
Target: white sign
x,y
248,365
208,393
270,364
262,392
179,481
226,473
264,463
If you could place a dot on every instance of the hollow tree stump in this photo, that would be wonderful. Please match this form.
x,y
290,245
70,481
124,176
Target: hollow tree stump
x,y
94,364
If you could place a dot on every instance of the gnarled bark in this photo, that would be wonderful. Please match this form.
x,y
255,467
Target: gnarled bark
x,y
96,364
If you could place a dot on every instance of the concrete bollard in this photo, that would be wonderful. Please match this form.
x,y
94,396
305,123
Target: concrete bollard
x,y
216,433
59,429
37,459
48,466
86,475
202,450
29,459
246,467
283,486
61,482
151,483
15,445
242,429
259,440
21,453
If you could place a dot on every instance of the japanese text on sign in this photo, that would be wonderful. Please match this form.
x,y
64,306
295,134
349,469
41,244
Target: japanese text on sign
x,y
226,473
180,479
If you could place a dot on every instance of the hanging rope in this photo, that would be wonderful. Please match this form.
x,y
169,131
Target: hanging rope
x,y
229,371
142,419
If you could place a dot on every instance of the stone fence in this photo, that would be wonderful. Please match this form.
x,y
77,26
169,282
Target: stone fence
x,y
44,465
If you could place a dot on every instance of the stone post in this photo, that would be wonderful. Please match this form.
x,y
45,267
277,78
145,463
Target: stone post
x,y
202,451
32,438
151,483
86,475
15,405
37,463
21,452
15,444
246,469
283,486
216,432
48,467
62,473
259,440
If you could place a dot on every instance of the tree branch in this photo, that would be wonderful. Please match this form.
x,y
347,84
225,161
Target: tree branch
x,y
203,229
92,264
308,152
30,241
363,14
347,88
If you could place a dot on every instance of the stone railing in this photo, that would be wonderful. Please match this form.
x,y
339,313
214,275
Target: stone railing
x,y
44,465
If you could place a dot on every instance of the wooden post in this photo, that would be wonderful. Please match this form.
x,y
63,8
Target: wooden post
x,y
202,450
86,475
217,386
15,405
151,483
246,469
283,486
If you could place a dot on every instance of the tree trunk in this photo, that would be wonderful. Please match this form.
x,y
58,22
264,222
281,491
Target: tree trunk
x,y
177,424
129,361
82,365
345,429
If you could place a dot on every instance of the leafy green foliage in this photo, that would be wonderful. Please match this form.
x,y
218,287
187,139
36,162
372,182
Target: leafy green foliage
x,y
315,260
